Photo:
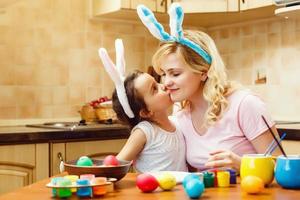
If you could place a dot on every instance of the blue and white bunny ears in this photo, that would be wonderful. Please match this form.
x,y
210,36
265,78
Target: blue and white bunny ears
x,y
176,18
117,73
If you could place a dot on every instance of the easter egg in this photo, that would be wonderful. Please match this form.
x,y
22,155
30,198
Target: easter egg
x,y
166,181
110,160
146,182
84,161
194,188
252,184
189,177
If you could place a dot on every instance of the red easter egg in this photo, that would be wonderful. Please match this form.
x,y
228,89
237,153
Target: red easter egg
x,y
146,182
110,160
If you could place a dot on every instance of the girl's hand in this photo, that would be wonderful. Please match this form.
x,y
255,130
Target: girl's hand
x,y
224,158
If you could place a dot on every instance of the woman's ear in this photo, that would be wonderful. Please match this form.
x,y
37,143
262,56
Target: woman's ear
x,y
144,113
203,76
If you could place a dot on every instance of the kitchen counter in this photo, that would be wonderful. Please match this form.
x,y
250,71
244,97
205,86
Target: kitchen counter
x,y
292,130
30,135
27,135
126,189
295,126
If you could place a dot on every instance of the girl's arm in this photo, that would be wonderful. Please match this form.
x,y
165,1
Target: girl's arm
x,y
133,146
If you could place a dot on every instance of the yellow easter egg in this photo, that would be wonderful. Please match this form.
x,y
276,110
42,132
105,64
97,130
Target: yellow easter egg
x,y
166,181
252,184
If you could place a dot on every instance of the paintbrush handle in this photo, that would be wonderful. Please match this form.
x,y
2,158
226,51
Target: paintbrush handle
x,y
269,148
274,136
275,146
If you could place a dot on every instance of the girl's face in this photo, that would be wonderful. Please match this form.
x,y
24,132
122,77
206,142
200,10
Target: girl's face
x,y
181,82
155,96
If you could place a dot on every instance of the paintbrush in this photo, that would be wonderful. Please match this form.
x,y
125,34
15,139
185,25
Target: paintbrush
x,y
272,147
281,149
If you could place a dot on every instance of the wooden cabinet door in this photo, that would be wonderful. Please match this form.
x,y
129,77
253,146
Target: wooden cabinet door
x,y
154,5
251,4
93,148
21,165
162,5
204,6
151,4
57,154
100,7
125,3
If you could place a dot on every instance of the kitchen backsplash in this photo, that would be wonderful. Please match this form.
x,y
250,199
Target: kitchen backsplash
x,y
267,49
49,57
49,64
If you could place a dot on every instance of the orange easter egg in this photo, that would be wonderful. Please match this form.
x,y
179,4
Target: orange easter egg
x,y
252,184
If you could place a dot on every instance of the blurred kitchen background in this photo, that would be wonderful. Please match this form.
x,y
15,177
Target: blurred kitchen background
x,y
49,66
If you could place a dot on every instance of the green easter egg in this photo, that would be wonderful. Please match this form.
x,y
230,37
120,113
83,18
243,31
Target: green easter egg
x,y
84,161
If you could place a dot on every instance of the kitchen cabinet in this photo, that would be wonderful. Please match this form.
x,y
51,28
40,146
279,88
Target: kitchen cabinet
x,y
21,165
204,6
252,4
115,8
198,13
222,12
73,150
154,5
57,154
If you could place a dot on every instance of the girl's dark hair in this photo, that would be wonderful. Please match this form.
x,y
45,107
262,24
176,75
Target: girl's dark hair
x,y
136,101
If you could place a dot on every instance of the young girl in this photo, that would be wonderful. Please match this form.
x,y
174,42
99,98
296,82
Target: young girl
x,y
155,143
220,121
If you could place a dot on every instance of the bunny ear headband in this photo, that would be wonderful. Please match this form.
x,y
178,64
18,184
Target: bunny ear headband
x,y
117,73
176,19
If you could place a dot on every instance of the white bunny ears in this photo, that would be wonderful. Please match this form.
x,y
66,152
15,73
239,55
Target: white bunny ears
x,y
176,18
117,73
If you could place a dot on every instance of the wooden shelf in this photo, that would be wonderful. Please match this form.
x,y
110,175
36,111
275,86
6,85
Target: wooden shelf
x,y
288,12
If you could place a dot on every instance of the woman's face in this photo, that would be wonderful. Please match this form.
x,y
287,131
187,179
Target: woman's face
x,y
181,82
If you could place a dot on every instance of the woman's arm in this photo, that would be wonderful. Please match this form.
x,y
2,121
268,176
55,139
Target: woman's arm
x,y
225,158
250,113
133,146
262,142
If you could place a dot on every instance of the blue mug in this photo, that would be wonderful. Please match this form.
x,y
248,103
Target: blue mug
x,y
287,171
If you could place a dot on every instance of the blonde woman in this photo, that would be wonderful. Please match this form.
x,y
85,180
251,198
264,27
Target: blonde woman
x,y
220,120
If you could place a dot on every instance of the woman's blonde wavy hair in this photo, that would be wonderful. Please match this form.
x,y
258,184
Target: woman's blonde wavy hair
x,y
216,87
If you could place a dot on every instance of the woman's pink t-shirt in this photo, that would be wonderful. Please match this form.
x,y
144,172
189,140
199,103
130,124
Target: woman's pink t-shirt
x,y
241,123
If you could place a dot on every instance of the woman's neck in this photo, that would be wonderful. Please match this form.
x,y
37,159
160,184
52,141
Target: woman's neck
x,y
198,107
197,102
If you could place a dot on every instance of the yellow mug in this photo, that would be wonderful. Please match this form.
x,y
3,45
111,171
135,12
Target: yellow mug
x,y
258,165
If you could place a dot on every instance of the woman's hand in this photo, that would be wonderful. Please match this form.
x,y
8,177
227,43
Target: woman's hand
x,y
224,158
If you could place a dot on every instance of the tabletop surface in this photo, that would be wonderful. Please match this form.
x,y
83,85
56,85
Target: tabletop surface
x,y
126,189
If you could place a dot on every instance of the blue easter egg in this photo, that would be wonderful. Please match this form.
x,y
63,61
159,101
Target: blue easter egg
x,y
189,177
194,188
